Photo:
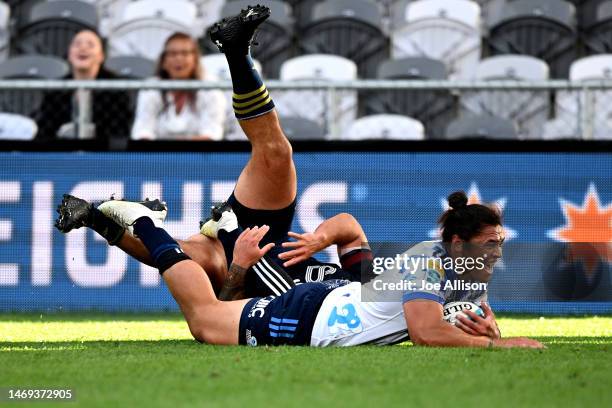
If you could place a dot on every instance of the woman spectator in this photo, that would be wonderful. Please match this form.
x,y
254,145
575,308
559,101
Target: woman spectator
x,y
179,115
109,114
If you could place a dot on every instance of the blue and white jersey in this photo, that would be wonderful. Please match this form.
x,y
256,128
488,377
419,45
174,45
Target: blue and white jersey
x,y
373,313
433,277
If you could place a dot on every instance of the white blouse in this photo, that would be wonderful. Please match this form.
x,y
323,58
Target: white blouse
x,y
152,122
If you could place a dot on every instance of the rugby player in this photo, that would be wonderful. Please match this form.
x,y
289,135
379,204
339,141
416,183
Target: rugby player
x,y
315,313
264,195
328,313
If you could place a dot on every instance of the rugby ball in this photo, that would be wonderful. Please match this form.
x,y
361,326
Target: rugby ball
x,y
454,309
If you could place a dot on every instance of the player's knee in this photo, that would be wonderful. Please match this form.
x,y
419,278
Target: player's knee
x,y
277,154
201,334
346,217
280,150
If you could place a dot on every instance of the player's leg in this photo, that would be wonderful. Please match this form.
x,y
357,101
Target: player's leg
x,y
268,181
75,213
209,319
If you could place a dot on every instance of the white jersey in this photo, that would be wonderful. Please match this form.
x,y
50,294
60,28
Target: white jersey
x,y
350,316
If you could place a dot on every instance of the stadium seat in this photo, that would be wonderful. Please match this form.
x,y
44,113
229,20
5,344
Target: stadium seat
x,y
321,105
16,127
216,69
434,108
446,30
489,127
34,67
302,10
528,109
391,127
128,66
208,12
108,10
144,25
575,110
348,28
398,14
597,37
587,12
20,10
5,17
50,26
545,29
490,10
26,102
301,129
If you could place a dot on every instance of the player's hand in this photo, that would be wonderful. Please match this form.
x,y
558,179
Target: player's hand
x,y
304,246
477,325
246,249
523,342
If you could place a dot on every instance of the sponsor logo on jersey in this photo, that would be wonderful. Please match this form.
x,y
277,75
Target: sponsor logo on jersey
x,y
319,272
433,276
259,308
435,264
250,339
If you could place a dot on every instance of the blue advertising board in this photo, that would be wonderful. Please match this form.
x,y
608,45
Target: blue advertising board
x,y
548,199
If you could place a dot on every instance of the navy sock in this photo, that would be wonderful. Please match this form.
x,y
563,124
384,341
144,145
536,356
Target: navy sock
x,y
251,97
164,250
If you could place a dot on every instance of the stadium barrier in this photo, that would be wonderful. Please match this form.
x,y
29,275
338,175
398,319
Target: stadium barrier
x,y
552,202
540,110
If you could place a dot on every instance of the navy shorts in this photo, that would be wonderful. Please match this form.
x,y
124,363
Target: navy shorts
x,y
284,320
279,221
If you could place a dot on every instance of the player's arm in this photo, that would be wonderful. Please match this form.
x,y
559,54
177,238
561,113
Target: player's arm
x,y
342,230
427,328
246,254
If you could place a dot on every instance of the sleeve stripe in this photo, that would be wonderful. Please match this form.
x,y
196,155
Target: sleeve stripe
x,y
407,297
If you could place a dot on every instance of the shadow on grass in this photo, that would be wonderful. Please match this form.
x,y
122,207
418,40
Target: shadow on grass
x,y
88,316
96,345
149,345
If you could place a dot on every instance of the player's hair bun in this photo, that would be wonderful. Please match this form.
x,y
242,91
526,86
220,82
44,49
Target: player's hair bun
x,y
457,200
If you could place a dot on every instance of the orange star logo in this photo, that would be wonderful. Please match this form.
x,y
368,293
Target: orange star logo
x,y
588,228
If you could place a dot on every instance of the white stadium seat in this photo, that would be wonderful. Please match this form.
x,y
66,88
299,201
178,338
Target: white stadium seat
x,y
5,16
16,127
144,25
571,106
391,127
209,12
107,12
528,109
318,105
216,69
447,30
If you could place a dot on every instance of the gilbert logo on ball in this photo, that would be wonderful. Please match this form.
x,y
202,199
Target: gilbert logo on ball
x,y
454,309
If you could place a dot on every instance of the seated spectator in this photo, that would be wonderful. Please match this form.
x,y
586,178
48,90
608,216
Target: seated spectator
x,y
179,115
110,113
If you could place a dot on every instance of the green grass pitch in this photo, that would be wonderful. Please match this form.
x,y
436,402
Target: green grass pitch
x,y
144,360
